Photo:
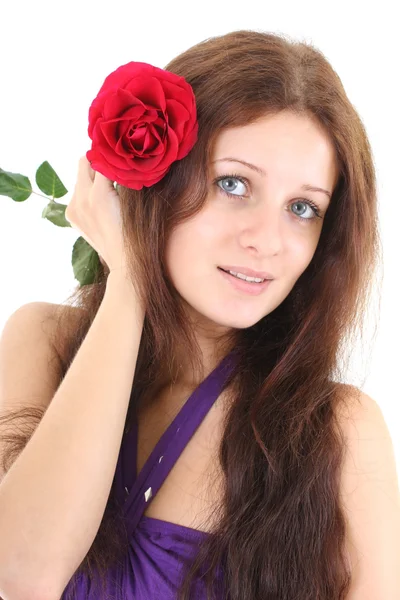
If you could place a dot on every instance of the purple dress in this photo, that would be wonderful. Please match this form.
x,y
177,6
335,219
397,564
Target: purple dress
x,y
157,548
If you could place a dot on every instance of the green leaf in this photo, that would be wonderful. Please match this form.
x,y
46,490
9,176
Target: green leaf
x,y
85,262
49,182
55,212
16,186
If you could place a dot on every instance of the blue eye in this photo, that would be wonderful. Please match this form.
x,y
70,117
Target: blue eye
x,y
232,187
230,179
315,210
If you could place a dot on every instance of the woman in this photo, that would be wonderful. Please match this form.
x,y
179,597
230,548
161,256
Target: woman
x,y
197,433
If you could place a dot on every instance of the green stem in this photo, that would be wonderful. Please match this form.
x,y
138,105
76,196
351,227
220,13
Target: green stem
x,y
41,195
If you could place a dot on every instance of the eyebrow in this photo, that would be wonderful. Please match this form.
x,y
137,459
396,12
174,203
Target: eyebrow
x,y
306,186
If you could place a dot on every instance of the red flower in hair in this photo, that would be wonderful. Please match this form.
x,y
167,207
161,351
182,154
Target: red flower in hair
x,y
142,120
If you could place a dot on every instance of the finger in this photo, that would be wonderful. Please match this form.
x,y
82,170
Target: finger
x,y
102,183
85,172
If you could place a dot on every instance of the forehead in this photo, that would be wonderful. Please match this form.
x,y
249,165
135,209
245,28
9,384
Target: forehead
x,y
283,144
284,133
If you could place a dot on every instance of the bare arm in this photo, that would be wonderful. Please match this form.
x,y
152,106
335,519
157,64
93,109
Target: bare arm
x,y
53,497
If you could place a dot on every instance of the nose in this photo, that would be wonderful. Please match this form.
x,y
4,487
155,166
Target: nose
x,y
262,228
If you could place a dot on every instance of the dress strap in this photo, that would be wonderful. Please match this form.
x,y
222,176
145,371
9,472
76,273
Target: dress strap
x,y
173,441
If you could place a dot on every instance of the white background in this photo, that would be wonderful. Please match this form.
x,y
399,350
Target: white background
x,y
54,58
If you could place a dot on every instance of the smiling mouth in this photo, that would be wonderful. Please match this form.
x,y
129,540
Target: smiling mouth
x,y
253,288
242,278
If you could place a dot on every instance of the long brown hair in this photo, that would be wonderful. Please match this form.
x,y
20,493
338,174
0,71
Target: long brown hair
x,y
280,529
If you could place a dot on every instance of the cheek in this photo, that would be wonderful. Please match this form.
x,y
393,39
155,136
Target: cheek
x,y
203,232
299,255
303,246
184,250
207,228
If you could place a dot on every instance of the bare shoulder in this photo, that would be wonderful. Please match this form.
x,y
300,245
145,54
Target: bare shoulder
x,y
30,371
58,322
30,354
369,445
371,499
45,313
360,414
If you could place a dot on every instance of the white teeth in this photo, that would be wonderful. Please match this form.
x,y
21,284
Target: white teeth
x,y
240,276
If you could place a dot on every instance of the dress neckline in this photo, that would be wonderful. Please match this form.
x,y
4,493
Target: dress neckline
x,y
144,486
178,417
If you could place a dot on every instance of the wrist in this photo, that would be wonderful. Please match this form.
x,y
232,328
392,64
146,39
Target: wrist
x,y
120,280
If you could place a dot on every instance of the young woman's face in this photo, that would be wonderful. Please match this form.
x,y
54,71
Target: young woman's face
x,y
262,221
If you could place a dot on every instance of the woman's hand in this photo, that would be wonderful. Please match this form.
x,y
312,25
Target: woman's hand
x,y
94,210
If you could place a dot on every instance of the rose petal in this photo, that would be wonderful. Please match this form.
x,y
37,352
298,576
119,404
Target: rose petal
x,y
150,140
175,89
188,142
114,158
118,102
171,147
121,77
177,117
149,90
95,113
126,127
110,131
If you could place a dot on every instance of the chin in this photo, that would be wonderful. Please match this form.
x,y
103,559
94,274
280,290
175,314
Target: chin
x,y
234,321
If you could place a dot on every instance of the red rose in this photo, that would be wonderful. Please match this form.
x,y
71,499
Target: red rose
x,y
142,120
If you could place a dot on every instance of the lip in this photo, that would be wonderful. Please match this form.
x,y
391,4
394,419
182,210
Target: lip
x,y
253,289
248,272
